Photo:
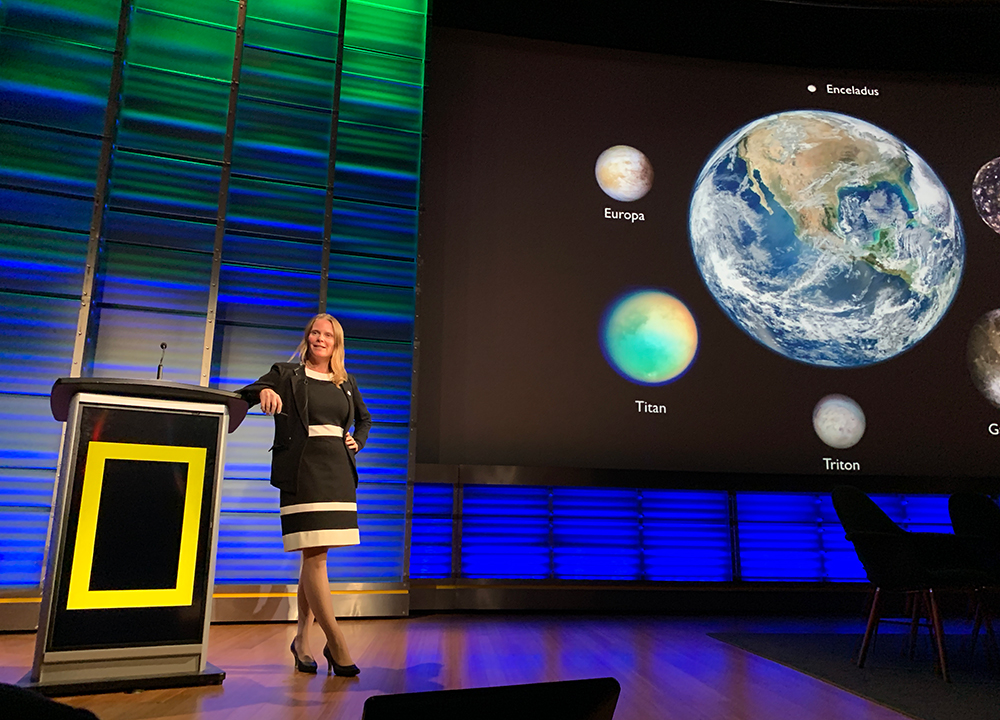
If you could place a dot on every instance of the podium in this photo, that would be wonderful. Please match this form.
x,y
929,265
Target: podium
x,y
127,590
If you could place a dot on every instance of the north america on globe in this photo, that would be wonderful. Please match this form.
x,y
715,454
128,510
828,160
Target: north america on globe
x,y
826,238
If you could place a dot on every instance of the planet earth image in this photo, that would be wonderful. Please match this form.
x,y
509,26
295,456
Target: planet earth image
x,y
624,173
649,337
825,238
984,356
839,421
986,193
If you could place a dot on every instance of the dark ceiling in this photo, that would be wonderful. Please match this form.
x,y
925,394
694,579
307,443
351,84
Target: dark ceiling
x,y
913,35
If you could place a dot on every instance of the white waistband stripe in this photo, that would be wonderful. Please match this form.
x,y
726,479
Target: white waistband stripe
x,y
319,507
326,431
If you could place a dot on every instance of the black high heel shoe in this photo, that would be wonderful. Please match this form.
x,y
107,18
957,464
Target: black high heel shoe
x,y
340,670
302,666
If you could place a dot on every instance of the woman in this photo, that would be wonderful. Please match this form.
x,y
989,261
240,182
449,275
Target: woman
x,y
314,403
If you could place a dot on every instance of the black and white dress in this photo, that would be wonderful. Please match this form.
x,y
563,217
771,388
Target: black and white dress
x,y
323,511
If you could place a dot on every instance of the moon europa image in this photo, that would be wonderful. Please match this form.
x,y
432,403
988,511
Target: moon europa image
x,y
649,337
624,173
986,193
825,238
984,356
839,421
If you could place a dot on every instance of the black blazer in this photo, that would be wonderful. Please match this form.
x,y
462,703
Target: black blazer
x,y
291,425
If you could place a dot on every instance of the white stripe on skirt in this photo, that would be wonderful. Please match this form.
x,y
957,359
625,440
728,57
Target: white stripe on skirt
x,y
319,507
326,431
320,538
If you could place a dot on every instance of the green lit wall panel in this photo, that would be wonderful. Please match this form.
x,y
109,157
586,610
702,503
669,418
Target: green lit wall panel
x,y
394,68
37,331
375,312
177,233
285,78
373,270
319,15
153,184
361,227
48,160
88,22
216,12
35,259
155,278
277,209
377,26
166,42
128,345
377,164
173,113
269,34
382,103
282,143
53,83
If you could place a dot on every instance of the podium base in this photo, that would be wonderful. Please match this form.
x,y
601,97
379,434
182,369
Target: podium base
x,y
212,675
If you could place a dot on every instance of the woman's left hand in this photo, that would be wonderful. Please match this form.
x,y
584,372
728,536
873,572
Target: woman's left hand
x,y
350,442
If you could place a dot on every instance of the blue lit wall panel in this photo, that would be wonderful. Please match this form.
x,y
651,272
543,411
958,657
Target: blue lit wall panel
x,y
34,258
295,255
155,278
22,545
266,296
248,352
276,209
431,530
384,372
400,273
26,207
29,437
247,455
250,551
376,164
151,184
129,345
248,496
358,227
918,513
505,532
168,232
54,83
384,457
279,142
685,535
377,312
48,160
26,487
36,333
595,534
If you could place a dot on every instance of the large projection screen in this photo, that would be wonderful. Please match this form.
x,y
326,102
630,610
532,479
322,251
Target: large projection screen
x,y
785,280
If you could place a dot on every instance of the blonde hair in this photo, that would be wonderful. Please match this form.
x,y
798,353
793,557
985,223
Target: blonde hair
x,y
337,359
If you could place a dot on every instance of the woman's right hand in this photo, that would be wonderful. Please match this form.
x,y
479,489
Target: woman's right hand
x,y
270,401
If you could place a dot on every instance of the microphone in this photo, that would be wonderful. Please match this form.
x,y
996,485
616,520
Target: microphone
x,y
159,368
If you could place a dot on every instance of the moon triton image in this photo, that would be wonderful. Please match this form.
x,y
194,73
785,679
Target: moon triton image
x,y
624,173
825,238
984,356
986,193
839,421
649,337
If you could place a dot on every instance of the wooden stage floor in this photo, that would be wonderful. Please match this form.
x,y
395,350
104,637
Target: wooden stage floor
x,y
668,668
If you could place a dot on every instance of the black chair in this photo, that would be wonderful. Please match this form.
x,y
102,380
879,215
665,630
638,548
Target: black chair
x,y
901,561
977,518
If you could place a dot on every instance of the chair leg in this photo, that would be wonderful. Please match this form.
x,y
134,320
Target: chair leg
x,y
873,618
938,630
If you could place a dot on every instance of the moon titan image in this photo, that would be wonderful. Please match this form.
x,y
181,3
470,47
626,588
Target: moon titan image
x,y
825,238
624,173
984,356
986,193
649,337
839,421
